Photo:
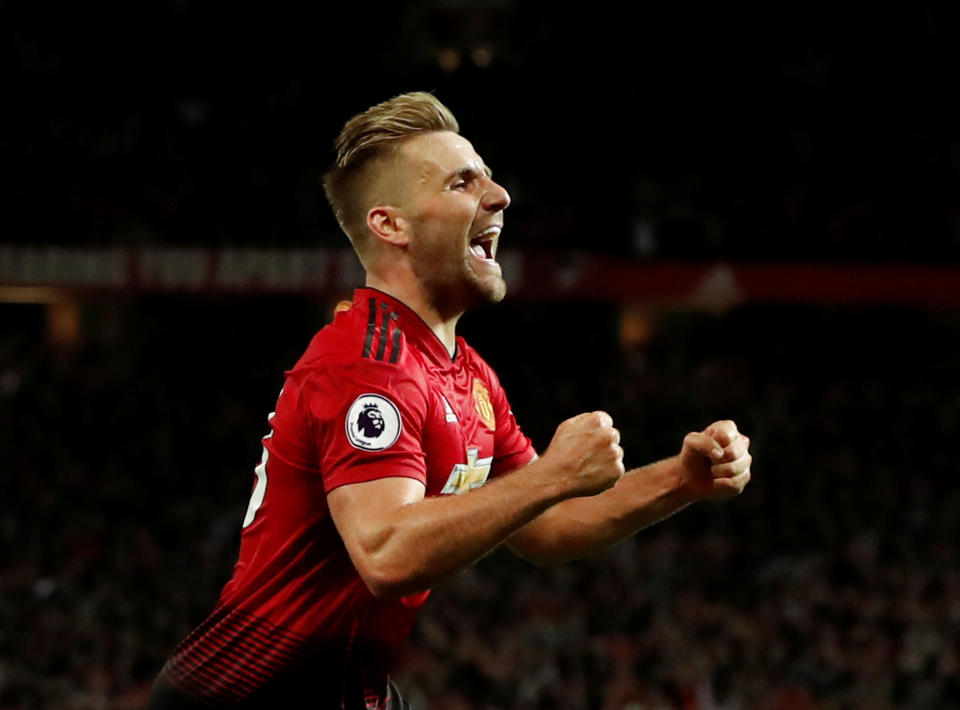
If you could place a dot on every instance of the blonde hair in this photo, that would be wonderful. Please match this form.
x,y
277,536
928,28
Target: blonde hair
x,y
368,138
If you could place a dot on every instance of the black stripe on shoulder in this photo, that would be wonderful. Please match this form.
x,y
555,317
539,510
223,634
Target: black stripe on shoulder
x,y
384,331
371,326
378,334
395,352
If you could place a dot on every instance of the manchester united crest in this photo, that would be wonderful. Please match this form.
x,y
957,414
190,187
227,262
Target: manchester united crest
x,y
484,407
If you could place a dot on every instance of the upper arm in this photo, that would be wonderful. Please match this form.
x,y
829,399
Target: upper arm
x,y
366,421
363,514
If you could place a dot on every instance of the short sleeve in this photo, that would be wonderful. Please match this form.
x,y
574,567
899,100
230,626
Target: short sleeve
x,y
367,419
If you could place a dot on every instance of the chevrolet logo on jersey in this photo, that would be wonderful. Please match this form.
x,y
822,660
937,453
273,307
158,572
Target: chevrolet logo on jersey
x,y
472,474
481,401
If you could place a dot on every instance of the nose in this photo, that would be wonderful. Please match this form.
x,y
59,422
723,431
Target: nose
x,y
495,197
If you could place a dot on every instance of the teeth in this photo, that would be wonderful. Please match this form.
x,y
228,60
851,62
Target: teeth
x,y
482,244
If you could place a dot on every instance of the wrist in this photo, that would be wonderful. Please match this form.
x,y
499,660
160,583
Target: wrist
x,y
677,486
550,484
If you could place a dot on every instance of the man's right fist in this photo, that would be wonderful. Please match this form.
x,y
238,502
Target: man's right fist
x,y
586,451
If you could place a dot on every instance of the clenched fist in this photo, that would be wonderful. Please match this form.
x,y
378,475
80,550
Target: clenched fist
x,y
585,451
716,462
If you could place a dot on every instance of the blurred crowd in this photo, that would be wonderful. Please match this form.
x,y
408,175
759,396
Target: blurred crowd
x,y
832,583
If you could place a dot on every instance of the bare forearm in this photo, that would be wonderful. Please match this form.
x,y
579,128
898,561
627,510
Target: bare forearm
x,y
401,542
579,527
427,541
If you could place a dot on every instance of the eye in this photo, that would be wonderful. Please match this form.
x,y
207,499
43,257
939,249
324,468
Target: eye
x,y
460,185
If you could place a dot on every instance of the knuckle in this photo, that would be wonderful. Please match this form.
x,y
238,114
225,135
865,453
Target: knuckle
x,y
726,427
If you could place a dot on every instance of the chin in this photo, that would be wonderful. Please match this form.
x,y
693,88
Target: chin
x,y
498,293
490,291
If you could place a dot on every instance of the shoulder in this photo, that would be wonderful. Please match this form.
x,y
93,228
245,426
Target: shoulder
x,y
340,340
368,332
350,359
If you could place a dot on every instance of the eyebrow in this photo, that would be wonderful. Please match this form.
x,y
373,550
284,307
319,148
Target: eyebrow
x,y
466,173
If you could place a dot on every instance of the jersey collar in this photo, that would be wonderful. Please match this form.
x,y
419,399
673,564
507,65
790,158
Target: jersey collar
x,y
415,329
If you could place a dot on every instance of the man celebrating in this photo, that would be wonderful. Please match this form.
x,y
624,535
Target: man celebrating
x,y
393,460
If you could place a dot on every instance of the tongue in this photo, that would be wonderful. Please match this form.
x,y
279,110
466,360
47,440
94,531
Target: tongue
x,y
478,250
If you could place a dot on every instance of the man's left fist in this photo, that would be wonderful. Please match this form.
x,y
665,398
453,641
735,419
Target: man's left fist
x,y
717,460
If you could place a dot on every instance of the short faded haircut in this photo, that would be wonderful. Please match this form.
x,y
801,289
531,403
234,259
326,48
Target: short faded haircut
x,y
369,137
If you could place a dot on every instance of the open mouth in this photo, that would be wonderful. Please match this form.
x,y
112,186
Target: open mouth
x,y
482,245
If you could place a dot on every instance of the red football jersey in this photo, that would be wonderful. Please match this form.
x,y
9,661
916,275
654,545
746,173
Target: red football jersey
x,y
376,394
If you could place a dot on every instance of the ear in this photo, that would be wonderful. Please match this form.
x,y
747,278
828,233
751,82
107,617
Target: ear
x,y
388,224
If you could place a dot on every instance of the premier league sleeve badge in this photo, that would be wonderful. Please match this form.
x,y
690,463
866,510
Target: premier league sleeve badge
x,y
373,423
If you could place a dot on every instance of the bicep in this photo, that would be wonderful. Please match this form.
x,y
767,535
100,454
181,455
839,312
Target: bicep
x,y
364,513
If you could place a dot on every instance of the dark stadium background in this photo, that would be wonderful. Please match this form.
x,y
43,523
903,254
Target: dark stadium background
x,y
717,213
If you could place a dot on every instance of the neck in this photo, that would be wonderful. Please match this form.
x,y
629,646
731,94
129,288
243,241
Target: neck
x,y
443,325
